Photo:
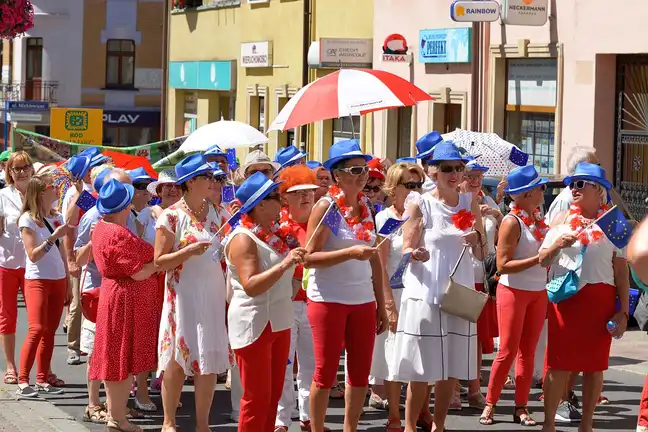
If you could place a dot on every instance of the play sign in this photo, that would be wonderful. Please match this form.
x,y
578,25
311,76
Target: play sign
x,y
474,11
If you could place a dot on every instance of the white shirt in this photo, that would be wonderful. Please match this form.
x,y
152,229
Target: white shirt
x,y
50,266
395,240
560,204
145,217
534,278
490,228
71,192
12,251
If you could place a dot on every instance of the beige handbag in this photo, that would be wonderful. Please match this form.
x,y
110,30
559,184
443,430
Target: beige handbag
x,y
460,300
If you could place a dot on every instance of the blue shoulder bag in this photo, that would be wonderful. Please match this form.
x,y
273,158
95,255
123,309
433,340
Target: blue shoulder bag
x,y
565,286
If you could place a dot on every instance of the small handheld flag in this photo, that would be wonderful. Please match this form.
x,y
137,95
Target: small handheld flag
x,y
391,225
228,193
615,226
332,219
232,161
396,280
518,157
377,208
86,201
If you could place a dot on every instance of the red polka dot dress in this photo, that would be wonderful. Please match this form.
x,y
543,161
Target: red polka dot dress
x,y
126,336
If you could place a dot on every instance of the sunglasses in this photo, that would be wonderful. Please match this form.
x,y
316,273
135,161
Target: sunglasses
x,y
206,177
580,184
272,196
220,179
412,185
356,170
140,186
374,189
447,169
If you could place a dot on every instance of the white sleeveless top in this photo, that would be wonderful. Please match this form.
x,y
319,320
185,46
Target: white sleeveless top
x,y
247,316
531,279
347,283
395,241
428,280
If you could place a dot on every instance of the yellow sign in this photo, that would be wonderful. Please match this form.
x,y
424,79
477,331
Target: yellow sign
x,y
77,125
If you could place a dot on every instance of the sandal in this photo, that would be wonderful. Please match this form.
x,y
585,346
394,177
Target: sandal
x,y
96,414
476,400
10,377
524,419
135,415
425,421
305,426
337,392
602,400
510,383
486,418
54,381
126,426
280,429
393,425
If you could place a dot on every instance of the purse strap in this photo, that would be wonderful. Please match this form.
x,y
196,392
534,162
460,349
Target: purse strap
x,y
581,255
51,230
454,270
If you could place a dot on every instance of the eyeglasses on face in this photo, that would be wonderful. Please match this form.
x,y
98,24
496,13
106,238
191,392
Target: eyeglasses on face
x,y
141,186
447,169
356,170
21,169
220,179
412,185
268,172
580,184
374,189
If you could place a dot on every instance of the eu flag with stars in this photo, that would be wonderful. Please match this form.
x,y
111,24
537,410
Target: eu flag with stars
x,y
228,193
616,227
390,226
518,157
86,201
232,162
396,280
333,219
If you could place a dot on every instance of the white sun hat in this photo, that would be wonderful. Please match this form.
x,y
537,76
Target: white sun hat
x,y
167,176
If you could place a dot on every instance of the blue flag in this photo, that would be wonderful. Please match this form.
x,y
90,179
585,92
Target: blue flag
x,y
228,193
377,208
616,227
518,157
390,226
333,219
232,161
86,201
396,280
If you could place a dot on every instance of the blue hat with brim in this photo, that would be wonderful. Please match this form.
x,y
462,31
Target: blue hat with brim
x,y
343,150
100,179
446,151
216,171
473,165
253,190
523,179
139,175
114,197
192,166
78,166
591,172
215,151
314,164
289,155
96,158
425,145
406,160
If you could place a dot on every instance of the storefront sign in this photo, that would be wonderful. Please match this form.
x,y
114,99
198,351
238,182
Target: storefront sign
x,y
445,45
474,11
27,106
395,49
532,82
25,117
525,12
131,118
346,52
256,54
202,75
77,125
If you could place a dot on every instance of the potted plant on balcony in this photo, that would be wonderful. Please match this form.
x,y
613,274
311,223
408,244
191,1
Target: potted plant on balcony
x,y
178,4
16,17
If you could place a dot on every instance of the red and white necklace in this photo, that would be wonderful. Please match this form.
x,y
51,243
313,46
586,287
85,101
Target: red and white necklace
x,y
583,228
362,226
287,229
268,237
535,222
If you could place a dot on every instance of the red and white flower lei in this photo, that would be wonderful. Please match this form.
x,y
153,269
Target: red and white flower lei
x,y
270,238
577,223
288,229
363,226
535,222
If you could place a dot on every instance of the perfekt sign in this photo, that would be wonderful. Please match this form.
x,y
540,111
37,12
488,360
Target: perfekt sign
x,y
77,125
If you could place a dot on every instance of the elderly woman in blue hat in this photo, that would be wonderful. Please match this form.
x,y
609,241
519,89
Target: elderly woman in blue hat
x,y
432,346
425,146
260,314
322,176
578,340
217,156
345,284
521,295
126,315
290,155
194,305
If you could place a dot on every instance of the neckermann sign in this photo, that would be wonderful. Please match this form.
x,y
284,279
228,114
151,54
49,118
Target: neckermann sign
x,y
131,118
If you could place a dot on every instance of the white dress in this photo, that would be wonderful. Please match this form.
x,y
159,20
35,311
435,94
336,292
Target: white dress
x,y
431,345
192,329
382,367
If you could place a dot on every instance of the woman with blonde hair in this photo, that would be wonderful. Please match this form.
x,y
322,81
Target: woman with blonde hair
x,y
401,179
18,171
46,288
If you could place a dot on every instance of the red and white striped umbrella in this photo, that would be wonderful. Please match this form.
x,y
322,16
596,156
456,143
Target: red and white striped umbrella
x,y
347,92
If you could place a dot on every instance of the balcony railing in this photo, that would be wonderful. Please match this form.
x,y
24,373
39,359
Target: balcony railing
x,y
30,90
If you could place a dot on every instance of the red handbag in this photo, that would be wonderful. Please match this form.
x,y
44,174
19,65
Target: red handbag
x,y
90,304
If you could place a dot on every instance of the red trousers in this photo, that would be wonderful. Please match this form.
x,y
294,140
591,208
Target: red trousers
x,y
521,315
11,280
44,300
263,368
643,406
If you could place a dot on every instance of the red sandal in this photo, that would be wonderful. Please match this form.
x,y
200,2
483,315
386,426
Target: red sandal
x,y
54,381
393,425
10,377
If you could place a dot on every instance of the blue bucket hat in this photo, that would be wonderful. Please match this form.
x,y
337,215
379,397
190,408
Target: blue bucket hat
x,y
406,160
523,179
425,144
139,175
253,190
78,166
473,165
591,172
192,166
100,179
314,164
289,155
343,150
216,171
215,151
96,158
114,197
446,151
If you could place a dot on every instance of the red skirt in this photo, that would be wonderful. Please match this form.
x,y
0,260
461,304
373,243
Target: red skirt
x,y
578,340
487,328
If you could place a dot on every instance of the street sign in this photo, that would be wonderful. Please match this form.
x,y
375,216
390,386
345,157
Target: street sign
x,y
27,106
27,117
77,125
474,11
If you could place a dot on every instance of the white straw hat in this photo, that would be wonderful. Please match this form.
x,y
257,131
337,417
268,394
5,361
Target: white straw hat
x,y
166,176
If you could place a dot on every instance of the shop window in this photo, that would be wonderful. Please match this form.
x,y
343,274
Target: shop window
x,y
346,128
34,69
534,133
404,132
116,136
120,63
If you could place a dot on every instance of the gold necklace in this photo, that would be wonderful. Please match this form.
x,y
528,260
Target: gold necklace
x,y
199,212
